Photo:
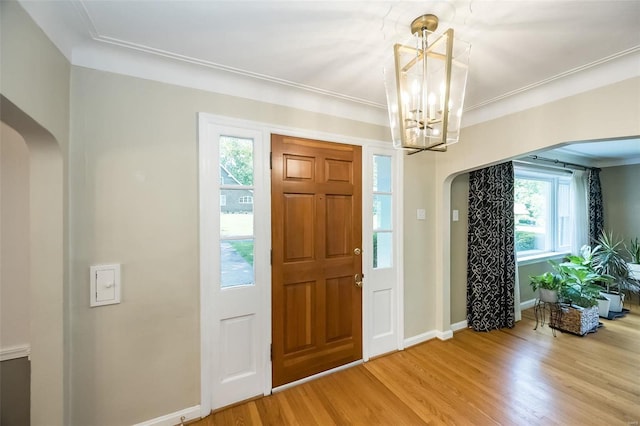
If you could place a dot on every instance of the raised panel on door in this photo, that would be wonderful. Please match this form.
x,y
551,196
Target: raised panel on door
x,y
299,316
298,211
339,226
338,300
238,351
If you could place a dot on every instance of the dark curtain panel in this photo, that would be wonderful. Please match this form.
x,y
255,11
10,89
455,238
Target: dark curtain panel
x,y
596,216
491,263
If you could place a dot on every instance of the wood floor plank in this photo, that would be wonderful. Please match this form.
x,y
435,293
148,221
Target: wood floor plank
x,y
517,376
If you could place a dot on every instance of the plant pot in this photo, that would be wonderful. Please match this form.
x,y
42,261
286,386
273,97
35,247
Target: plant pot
x,y
634,270
577,320
548,296
604,305
616,299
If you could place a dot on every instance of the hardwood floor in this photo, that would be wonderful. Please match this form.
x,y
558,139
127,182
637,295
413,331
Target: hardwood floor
x,y
516,376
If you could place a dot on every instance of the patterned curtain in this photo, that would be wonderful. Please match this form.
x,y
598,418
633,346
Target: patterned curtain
x,y
596,216
491,262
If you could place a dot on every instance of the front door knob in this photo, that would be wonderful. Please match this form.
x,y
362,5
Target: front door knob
x,y
358,279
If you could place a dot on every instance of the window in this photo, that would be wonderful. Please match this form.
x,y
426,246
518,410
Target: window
x,y
542,212
382,207
236,218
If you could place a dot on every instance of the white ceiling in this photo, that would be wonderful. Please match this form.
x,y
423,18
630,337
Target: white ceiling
x,y
335,50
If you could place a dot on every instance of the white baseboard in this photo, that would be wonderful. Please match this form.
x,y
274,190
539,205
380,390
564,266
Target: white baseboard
x,y
459,325
527,304
173,419
434,334
444,335
420,338
13,352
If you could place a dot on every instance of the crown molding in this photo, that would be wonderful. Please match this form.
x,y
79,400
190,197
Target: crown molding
x,y
610,70
151,65
119,56
138,61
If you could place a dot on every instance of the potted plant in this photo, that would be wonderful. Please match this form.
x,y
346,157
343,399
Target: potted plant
x,y
580,293
634,254
547,285
579,284
604,305
585,260
607,260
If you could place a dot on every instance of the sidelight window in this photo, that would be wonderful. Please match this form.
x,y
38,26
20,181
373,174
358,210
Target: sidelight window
x,y
236,212
382,208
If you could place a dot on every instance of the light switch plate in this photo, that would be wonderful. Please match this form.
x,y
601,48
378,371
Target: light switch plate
x,y
456,216
105,285
421,214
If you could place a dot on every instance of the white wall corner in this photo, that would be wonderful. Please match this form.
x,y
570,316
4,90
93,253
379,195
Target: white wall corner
x,y
176,418
459,326
14,352
420,338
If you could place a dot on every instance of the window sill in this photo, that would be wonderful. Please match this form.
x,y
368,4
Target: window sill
x,y
540,257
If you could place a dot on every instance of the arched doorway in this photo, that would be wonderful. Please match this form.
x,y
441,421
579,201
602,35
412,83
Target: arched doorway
x,y
46,264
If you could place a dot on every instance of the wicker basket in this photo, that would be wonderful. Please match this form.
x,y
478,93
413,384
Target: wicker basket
x,y
577,320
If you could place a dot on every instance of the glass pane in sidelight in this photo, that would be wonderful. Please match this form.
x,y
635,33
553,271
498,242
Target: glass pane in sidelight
x,y
236,263
236,214
381,173
382,250
236,161
382,212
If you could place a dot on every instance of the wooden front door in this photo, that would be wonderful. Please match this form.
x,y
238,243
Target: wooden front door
x,y
316,226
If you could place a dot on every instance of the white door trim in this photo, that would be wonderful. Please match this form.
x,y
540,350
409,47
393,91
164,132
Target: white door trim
x,y
264,182
395,339
222,309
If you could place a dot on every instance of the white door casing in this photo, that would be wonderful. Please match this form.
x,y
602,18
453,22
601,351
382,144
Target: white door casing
x,y
383,322
233,319
235,323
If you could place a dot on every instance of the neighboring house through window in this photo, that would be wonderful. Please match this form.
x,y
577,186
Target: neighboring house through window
x,y
236,211
236,199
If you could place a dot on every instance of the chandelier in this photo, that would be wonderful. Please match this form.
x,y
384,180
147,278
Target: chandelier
x,y
425,87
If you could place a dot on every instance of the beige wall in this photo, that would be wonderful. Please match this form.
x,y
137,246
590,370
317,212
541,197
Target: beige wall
x,y
576,118
419,280
14,231
36,77
134,201
621,199
34,87
460,202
